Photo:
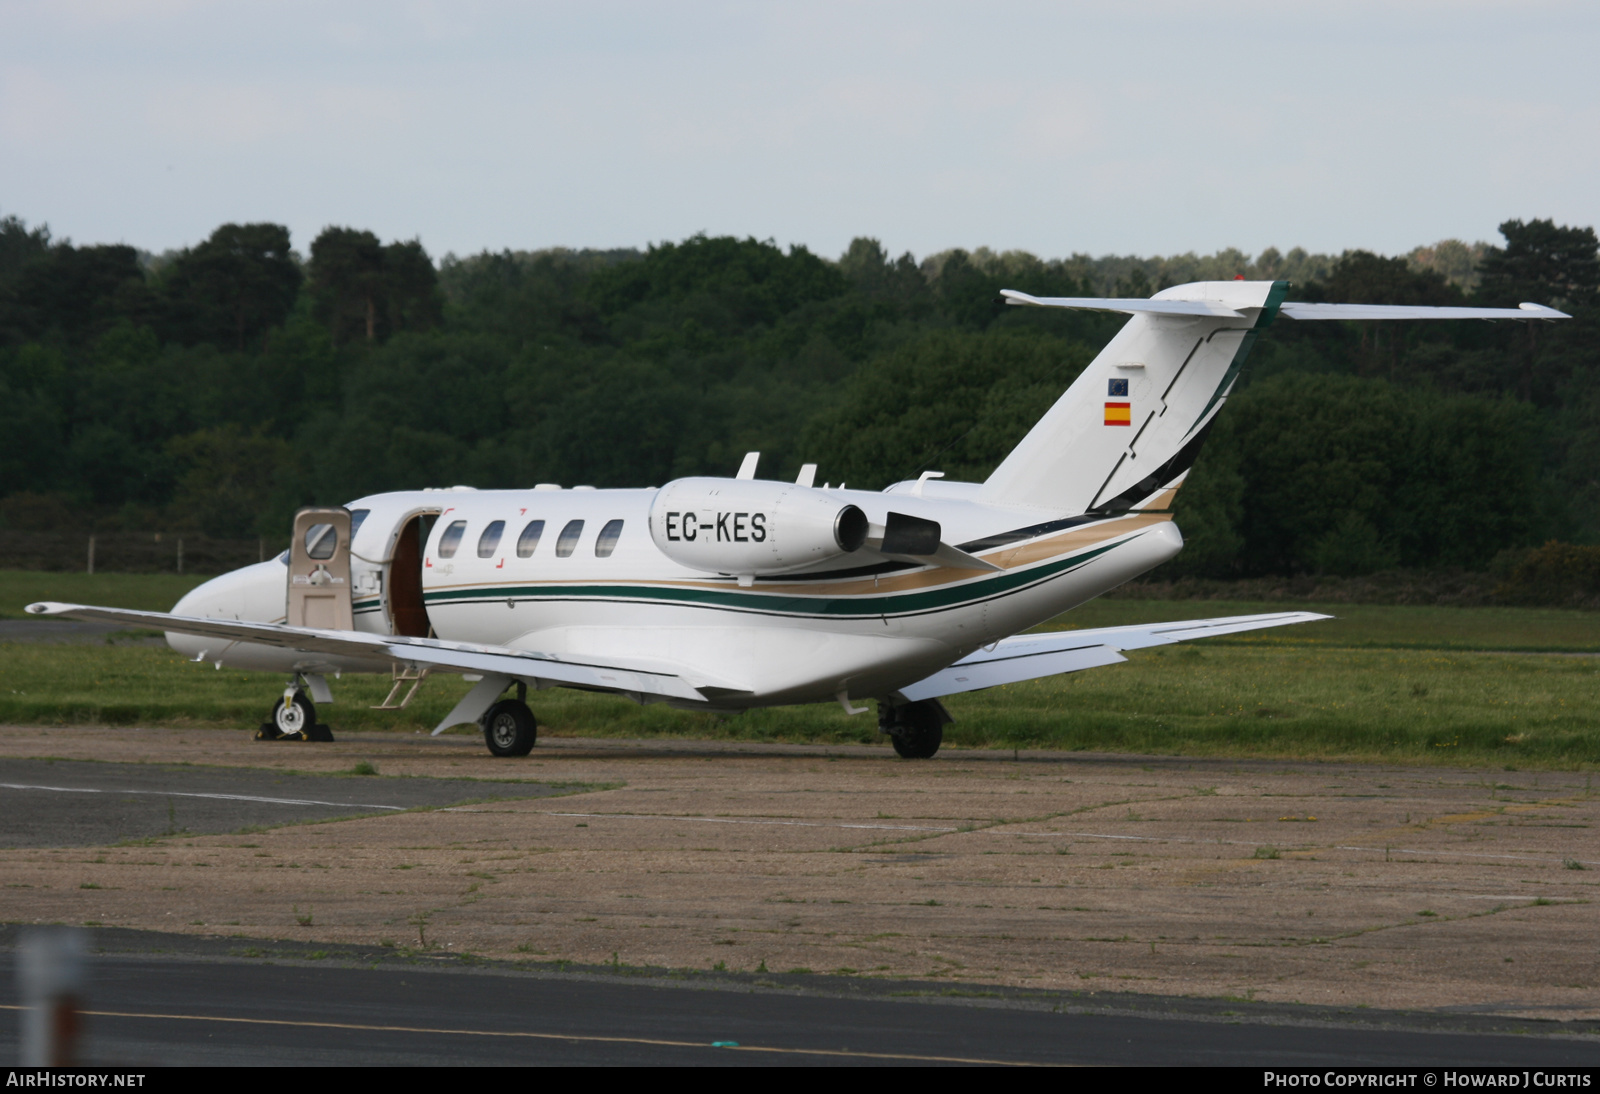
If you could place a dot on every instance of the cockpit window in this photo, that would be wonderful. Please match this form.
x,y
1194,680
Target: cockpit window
x,y
491,538
606,541
321,540
528,541
356,517
569,538
452,539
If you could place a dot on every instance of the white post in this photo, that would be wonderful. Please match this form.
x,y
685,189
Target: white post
x,y
50,970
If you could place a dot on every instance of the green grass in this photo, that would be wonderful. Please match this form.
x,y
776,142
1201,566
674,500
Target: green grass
x,y
1420,685
1417,705
146,592
1408,705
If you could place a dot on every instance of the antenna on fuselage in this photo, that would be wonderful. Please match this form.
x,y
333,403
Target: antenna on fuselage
x,y
807,476
747,469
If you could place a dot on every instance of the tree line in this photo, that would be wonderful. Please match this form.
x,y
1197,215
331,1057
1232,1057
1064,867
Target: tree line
x,y
217,388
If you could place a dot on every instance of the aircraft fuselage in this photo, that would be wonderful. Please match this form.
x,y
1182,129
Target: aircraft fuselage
x,y
858,624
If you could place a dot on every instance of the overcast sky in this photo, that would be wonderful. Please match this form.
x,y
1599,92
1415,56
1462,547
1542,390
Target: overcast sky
x,y
1131,128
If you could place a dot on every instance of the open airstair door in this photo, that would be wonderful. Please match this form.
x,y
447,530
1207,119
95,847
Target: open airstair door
x,y
319,570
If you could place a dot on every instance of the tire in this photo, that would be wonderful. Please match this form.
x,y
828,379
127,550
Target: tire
x,y
917,730
509,728
294,717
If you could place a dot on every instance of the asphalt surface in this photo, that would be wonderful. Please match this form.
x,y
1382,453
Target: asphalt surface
x,y
176,999
71,630
71,803
168,999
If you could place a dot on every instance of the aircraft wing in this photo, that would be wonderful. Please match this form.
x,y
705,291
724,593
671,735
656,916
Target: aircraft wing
x,y
383,650
1031,656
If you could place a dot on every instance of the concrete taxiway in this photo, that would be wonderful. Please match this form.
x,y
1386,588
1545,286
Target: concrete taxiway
x,y
1423,890
159,999
66,803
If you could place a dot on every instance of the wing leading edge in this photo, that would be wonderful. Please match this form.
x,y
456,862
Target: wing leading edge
x,y
1031,656
384,650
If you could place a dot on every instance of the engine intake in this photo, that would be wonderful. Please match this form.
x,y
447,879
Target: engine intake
x,y
748,526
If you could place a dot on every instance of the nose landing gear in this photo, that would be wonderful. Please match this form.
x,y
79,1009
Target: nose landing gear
x,y
293,718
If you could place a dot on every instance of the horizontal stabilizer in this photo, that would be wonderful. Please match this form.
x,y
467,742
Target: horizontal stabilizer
x,y
1032,656
382,650
1406,311
1132,305
1291,309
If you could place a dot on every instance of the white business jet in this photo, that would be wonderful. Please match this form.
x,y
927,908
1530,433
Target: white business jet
x,y
727,594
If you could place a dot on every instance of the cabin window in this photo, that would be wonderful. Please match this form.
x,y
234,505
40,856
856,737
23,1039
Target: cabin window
x,y
569,538
490,538
356,517
528,541
452,539
606,541
321,539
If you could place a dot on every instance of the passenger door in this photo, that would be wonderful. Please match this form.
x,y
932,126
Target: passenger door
x,y
408,614
319,570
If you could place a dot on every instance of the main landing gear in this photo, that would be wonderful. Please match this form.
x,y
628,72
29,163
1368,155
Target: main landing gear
x,y
509,728
293,718
915,729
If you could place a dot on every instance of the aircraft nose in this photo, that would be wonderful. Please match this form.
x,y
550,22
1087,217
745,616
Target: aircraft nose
x,y
255,593
197,600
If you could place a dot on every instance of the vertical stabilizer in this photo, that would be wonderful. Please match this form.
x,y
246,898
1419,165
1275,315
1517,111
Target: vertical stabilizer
x,y
1133,421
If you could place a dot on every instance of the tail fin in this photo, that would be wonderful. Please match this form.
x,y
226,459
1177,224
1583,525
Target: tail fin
x,y
1134,420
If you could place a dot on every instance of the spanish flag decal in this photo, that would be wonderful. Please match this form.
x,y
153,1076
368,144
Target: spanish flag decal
x,y
1119,414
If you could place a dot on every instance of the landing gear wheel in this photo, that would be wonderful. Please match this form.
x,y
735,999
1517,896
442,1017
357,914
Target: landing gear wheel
x,y
294,717
509,728
917,729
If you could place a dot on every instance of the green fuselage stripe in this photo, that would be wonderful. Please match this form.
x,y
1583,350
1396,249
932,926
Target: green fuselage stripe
x,y
844,606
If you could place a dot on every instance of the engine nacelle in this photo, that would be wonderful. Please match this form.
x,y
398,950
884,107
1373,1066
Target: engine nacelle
x,y
754,527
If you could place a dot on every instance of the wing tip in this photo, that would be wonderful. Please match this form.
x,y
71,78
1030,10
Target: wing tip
x,y
1542,311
